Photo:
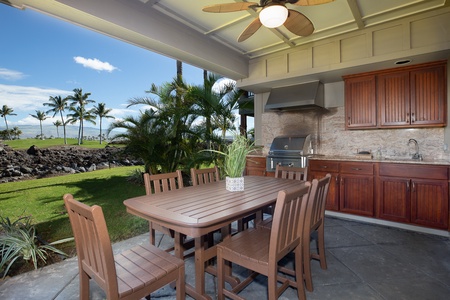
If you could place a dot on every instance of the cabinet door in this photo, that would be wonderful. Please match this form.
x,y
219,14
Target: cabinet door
x,y
429,203
255,166
356,194
394,203
393,99
332,202
428,103
360,103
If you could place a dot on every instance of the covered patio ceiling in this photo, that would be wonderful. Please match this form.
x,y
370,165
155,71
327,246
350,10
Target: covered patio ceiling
x,y
181,30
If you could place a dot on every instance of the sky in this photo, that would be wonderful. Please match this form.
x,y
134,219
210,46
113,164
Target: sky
x,y
42,56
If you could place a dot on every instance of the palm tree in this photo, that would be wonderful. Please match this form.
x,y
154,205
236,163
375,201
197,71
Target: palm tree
x,y
102,112
162,136
16,132
213,103
7,111
80,113
81,100
57,123
40,115
58,104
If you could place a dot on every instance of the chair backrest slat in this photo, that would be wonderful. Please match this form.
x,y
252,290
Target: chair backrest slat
x,y
93,244
160,183
295,173
288,221
204,176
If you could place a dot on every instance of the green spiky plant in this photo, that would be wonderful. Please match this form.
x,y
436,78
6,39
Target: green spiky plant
x,y
235,155
18,240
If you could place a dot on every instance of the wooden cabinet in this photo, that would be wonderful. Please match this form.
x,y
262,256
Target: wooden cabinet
x,y
360,102
415,194
356,193
393,99
429,96
320,168
394,200
255,166
407,193
413,96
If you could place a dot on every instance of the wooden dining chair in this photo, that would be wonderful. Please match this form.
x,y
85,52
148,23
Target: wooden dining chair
x,y
132,274
287,172
204,176
161,183
260,250
315,219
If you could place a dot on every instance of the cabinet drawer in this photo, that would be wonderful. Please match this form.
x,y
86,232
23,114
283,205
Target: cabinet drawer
x,y
413,171
357,168
324,166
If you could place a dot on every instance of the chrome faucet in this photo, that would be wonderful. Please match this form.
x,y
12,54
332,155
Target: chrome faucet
x,y
416,155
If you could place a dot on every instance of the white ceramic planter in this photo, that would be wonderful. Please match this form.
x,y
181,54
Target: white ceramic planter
x,y
235,184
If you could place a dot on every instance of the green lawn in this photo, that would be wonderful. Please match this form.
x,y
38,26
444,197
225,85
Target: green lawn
x,y
27,143
42,198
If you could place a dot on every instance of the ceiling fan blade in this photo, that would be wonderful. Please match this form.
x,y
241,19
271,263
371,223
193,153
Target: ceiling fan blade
x,y
229,7
298,24
250,30
311,2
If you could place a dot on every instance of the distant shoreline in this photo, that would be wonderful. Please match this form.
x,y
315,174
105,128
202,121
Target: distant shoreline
x,y
31,131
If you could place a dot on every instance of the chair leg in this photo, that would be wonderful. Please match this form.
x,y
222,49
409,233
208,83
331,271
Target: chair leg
x,y
307,262
272,289
84,285
321,246
180,284
220,275
152,234
301,293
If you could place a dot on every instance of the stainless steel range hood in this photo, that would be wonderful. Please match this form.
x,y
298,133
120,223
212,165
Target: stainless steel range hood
x,y
301,96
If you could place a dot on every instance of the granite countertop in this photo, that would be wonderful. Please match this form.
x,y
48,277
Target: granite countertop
x,y
403,160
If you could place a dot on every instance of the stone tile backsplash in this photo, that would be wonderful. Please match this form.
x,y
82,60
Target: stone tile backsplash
x,y
329,136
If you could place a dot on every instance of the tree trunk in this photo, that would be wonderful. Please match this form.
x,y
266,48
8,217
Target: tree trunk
x,y
179,69
100,131
64,127
42,134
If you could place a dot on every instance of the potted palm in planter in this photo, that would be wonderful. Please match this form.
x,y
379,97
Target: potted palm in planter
x,y
234,162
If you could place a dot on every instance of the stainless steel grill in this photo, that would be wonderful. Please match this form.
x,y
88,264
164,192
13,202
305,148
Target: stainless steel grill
x,y
289,151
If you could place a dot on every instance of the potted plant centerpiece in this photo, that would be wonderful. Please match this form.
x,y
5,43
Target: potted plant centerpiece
x,y
234,162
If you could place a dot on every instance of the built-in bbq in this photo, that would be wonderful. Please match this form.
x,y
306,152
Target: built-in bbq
x,y
289,150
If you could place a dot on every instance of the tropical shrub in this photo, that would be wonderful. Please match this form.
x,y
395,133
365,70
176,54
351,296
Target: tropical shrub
x,y
18,240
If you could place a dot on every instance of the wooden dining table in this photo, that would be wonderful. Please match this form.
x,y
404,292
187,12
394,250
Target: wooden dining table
x,y
197,211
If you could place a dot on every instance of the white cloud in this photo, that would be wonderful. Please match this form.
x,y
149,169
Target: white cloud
x,y
29,120
10,74
27,98
94,64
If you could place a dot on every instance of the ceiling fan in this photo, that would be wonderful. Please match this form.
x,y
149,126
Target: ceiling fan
x,y
274,13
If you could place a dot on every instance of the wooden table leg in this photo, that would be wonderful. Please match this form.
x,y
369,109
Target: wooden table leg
x,y
179,245
200,265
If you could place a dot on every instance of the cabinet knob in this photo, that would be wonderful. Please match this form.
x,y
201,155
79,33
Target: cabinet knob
x,y
356,169
413,117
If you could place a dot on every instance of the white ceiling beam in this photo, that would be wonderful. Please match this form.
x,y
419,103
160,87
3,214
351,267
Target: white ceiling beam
x,y
356,13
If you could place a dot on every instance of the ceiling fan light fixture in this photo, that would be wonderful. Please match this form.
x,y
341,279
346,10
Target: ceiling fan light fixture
x,y
273,16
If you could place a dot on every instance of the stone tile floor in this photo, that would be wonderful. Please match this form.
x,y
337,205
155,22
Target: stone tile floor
x,y
365,261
